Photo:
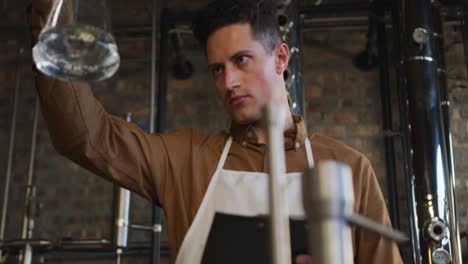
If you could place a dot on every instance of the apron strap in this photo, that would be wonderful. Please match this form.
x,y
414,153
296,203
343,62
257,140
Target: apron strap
x,y
310,155
223,158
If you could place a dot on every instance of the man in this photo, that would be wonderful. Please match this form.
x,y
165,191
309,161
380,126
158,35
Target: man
x,y
200,178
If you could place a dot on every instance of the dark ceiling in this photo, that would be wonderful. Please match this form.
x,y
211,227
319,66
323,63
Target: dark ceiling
x,y
130,12
136,14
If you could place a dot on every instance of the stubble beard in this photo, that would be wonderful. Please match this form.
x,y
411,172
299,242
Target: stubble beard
x,y
250,118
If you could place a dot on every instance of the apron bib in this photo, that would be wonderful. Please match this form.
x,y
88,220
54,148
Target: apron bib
x,y
239,193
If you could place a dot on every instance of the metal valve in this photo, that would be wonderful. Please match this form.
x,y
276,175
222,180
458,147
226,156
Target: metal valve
x,y
437,230
420,36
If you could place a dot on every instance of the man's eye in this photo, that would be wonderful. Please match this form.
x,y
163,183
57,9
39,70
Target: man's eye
x,y
241,59
217,70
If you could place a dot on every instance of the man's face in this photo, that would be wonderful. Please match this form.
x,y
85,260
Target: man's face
x,y
243,71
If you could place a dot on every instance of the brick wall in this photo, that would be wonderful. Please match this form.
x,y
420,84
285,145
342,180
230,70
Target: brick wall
x,y
458,85
342,101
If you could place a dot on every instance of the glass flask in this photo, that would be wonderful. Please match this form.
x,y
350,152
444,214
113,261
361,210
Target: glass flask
x,y
75,43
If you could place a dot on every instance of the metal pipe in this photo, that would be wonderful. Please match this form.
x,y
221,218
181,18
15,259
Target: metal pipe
x,y
122,222
385,95
292,36
28,218
428,151
377,228
331,9
11,147
328,197
86,253
30,206
465,32
404,129
445,108
274,115
26,254
153,69
155,228
161,111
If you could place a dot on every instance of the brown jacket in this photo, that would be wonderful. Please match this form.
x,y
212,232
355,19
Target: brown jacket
x,y
174,169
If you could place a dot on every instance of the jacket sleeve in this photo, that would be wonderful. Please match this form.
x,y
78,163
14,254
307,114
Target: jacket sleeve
x,y
371,248
111,147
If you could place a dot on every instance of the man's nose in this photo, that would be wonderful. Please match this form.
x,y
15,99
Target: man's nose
x,y
231,78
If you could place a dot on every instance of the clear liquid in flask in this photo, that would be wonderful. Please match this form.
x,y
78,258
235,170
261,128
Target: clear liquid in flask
x,y
76,52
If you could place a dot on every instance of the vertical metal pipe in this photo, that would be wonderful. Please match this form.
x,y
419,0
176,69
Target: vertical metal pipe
x,y
122,220
153,69
11,147
397,27
28,218
30,203
122,215
280,240
428,151
161,107
328,197
300,97
163,71
445,105
465,33
289,22
385,95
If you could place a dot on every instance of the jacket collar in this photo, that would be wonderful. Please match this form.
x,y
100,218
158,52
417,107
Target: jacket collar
x,y
294,137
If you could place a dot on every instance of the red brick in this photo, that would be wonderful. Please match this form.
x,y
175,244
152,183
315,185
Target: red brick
x,y
180,84
313,91
333,131
371,117
331,77
139,45
140,111
322,105
314,118
349,91
368,130
331,91
344,117
456,114
5,53
357,144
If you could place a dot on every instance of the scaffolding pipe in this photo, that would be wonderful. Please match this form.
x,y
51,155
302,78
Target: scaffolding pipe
x,y
11,147
159,115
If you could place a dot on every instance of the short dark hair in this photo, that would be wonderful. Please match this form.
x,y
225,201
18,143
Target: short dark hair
x,y
260,14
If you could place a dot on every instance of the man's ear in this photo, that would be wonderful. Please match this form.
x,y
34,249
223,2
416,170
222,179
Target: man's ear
x,y
282,57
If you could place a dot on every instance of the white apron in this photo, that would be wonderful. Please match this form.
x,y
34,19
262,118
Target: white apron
x,y
239,193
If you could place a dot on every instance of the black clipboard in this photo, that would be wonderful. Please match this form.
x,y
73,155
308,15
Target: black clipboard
x,y
238,239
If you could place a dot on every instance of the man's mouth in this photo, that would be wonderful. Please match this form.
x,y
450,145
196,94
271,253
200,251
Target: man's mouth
x,y
237,100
